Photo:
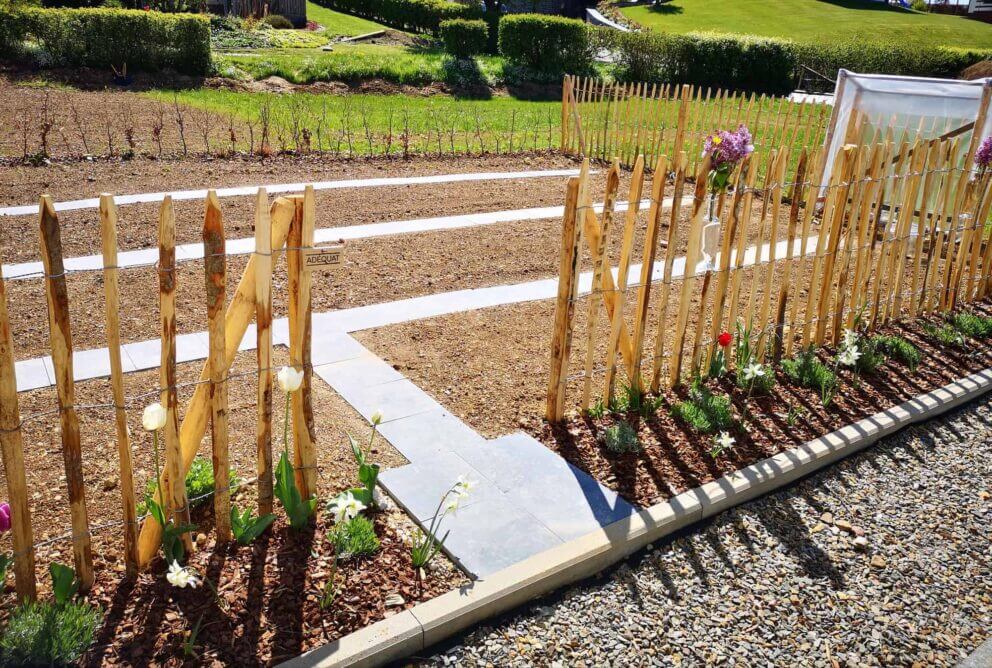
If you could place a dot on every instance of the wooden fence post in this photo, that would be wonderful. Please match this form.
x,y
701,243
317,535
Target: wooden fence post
x,y
239,315
108,229
565,306
647,264
263,338
60,334
175,480
12,449
215,273
566,86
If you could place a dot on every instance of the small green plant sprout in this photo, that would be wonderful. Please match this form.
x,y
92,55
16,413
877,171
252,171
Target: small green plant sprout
x,y
705,412
597,410
632,399
971,325
354,538
298,510
153,420
368,472
806,370
621,438
330,590
50,633
65,584
795,412
189,642
722,442
345,507
245,527
899,349
743,349
425,545
945,335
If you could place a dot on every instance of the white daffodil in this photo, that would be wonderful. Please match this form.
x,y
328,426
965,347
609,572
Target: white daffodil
x,y
753,370
850,339
289,379
377,418
153,418
725,441
182,577
849,356
452,506
346,507
464,486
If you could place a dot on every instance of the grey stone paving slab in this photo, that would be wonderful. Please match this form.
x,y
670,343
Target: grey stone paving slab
x,y
95,363
329,347
490,536
429,433
419,487
31,374
358,371
396,400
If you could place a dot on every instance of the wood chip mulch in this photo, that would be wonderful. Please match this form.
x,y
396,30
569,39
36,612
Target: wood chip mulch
x,y
674,458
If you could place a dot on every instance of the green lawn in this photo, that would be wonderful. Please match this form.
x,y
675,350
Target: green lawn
x,y
376,124
338,24
813,20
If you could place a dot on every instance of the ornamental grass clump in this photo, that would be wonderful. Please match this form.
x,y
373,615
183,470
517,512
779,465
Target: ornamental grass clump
x,y
705,412
354,538
621,438
899,349
806,370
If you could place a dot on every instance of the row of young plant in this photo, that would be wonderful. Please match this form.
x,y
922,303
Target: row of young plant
x,y
710,412
58,631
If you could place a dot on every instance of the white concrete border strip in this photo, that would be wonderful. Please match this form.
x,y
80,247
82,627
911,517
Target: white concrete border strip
x,y
281,188
430,622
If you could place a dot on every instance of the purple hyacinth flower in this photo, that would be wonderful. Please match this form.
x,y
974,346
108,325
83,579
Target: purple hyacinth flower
x,y
983,156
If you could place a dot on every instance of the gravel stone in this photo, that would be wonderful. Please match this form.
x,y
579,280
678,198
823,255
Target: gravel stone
x,y
772,583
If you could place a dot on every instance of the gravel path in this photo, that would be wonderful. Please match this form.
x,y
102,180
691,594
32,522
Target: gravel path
x,y
787,581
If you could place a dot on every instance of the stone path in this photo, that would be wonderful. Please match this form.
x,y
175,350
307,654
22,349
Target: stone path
x,y
246,245
780,581
523,488
282,188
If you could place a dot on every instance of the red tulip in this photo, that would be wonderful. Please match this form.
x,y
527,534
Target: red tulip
x,y
724,339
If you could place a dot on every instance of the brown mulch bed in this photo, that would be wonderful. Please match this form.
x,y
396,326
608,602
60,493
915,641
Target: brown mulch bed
x,y
675,458
268,605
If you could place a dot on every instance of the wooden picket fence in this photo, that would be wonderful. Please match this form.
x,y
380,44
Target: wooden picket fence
x,y
602,119
897,232
287,226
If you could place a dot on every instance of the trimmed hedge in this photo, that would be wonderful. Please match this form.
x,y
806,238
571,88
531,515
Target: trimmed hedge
x,y
768,65
413,15
102,38
464,38
546,43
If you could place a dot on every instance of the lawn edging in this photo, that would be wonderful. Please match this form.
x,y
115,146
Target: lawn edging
x,y
435,620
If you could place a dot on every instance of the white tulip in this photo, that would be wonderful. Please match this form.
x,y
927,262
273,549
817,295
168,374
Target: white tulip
x,y
181,577
289,379
154,417
377,418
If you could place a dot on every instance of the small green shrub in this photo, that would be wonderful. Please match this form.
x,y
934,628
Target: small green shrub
x,y
621,438
278,21
945,335
199,484
464,38
899,349
704,411
98,37
920,6
806,370
412,15
632,399
354,538
546,43
48,634
971,325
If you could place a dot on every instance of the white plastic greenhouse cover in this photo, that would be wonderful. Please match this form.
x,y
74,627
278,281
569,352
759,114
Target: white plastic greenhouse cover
x,y
910,106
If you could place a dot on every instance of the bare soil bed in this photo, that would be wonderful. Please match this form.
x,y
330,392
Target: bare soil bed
x,y
270,590
491,368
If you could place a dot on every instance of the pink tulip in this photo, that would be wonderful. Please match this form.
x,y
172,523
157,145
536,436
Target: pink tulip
x,y
4,517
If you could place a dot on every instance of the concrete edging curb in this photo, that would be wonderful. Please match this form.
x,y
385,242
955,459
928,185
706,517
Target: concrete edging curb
x,y
427,623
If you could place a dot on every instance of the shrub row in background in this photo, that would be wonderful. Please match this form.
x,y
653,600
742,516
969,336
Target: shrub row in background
x,y
768,65
546,43
109,37
413,15
464,38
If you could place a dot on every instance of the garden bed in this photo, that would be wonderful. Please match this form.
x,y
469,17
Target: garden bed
x,y
501,388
